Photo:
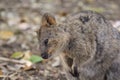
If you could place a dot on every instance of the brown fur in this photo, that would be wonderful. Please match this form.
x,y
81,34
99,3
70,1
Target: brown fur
x,y
87,43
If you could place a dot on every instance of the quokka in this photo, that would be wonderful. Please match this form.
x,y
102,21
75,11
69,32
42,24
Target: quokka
x,y
87,43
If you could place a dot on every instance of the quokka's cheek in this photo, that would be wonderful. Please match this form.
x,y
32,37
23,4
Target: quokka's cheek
x,y
51,51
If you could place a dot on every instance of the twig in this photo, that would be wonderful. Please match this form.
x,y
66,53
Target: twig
x,y
11,60
1,76
5,76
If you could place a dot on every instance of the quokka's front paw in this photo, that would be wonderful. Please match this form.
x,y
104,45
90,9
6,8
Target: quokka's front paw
x,y
74,72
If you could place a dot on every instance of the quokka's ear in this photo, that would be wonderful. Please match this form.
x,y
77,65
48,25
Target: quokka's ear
x,y
48,20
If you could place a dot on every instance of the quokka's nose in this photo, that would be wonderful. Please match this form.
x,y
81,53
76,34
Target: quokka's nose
x,y
45,55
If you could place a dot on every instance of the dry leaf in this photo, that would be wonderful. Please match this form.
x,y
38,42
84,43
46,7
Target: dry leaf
x,y
27,55
28,64
27,67
24,26
5,35
1,73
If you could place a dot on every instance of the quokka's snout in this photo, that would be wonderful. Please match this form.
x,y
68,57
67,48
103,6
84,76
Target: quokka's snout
x,y
45,55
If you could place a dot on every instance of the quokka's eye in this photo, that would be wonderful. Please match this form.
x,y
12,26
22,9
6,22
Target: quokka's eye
x,y
46,42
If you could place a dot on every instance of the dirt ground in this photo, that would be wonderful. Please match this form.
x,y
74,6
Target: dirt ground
x,y
19,19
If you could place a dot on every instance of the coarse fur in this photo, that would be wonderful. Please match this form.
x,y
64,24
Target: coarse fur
x,y
87,44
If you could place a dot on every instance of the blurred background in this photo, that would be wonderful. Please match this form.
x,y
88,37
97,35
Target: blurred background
x,y
19,20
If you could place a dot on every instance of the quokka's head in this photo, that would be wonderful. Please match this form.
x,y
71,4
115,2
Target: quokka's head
x,y
52,38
